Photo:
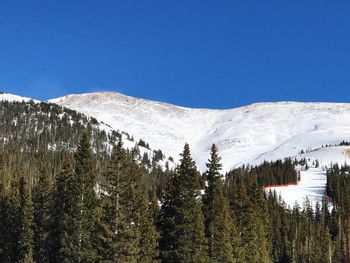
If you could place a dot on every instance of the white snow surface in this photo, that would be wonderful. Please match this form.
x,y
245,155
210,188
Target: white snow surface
x,y
313,181
12,97
311,186
249,134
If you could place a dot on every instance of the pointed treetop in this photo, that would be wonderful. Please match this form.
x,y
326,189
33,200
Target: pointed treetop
x,y
214,165
118,150
186,160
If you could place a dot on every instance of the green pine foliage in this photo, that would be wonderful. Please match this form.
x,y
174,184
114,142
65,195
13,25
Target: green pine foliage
x,y
181,219
85,176
120,235
268,173
4,214
338,185
64,227
9,218
24,224
128,232
142,214
42,195
218,221
247,204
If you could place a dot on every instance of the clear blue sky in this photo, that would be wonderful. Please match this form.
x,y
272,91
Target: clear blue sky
x,y
216,54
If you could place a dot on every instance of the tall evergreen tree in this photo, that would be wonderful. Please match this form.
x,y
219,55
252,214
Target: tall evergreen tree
x,y
42,196
85,180
252,228
3,212
25,224
127,229
6,207
64,238
120,237
218,221
255,226
142,215
181,219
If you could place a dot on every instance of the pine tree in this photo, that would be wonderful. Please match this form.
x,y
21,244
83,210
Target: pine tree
x,y
120,237
251,224
154,209
85,180
41,202
127,230
142,215
260,220
3,213
5,216
25,224
218,221
149,246
64,239
181,219
10,221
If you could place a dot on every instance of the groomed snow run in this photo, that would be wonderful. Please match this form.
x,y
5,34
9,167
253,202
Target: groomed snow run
x,y
312,186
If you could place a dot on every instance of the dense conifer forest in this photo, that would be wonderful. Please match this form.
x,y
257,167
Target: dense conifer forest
x,y
266,174
71,192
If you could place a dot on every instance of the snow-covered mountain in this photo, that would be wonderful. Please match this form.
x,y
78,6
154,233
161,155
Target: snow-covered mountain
x,y
12,97
128,142
245,135
250,134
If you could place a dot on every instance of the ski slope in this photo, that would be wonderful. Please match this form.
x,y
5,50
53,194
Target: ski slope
x,y
249,134
313,181
311,186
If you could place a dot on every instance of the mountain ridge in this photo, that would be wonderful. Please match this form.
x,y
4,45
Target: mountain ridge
x,y
245,135
282,102
248,134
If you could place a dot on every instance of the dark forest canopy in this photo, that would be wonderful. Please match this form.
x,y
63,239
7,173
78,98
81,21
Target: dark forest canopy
x,y
266,174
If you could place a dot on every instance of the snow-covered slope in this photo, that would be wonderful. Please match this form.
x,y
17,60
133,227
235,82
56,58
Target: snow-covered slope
x,y
12,97
250,134
312,186
313,181
128,142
